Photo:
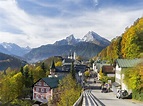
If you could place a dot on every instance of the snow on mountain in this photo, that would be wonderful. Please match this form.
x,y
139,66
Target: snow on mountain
x,y
93,37
70,40
90,37
13,49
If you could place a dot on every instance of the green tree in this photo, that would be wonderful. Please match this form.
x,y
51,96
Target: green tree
x,y
38,73
103,77
43,67
72,70
70,91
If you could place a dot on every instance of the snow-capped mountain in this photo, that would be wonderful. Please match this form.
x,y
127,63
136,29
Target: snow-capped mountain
x,y
93,37
70,40
89,46
90,37
13,49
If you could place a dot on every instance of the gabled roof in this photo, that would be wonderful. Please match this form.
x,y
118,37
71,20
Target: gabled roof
x,y
126,63
51,81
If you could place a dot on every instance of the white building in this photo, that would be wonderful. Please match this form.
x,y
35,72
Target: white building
x,y
122,64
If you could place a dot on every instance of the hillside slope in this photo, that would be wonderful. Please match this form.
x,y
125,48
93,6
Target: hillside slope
x,y
129,45
9,61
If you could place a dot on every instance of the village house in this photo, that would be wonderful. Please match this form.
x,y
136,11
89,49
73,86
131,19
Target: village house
x,y
121,65
107,69
45,89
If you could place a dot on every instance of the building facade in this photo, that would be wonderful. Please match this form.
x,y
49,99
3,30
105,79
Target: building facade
x,y
46,89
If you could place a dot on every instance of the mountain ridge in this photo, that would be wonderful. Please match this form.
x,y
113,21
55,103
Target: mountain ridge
x,y
13,49
85,49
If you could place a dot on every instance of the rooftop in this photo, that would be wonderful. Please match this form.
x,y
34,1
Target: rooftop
x,y
124,63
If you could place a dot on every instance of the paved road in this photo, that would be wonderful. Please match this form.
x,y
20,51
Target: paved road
x,y
107,99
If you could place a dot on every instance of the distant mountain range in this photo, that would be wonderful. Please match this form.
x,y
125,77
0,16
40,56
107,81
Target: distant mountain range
x,y
87,47
90,45
13,49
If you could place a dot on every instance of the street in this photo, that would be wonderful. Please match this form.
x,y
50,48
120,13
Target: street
x,y
106,99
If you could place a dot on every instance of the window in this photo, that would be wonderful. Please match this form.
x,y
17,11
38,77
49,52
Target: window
x,y
37,89
42,89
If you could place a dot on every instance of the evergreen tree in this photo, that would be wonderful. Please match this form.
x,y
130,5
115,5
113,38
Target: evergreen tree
x,y
43,67
21,70
72,70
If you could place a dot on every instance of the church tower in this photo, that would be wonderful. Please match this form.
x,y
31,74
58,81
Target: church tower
x,y
52,69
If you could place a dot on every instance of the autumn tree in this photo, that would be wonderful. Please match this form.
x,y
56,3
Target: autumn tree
x,y
38,73
102,76
87,73
132,40
58,63
133,78
70,91
11,88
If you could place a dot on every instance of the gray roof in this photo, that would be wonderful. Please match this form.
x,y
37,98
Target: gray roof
x,y
52,81
126,63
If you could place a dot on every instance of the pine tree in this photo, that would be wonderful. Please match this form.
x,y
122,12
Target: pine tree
x,y
43,67
72,70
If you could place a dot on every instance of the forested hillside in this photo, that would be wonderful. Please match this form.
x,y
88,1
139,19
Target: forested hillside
x,y
9,61
129,45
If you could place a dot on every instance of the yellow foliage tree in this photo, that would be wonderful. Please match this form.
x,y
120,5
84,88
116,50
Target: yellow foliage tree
x,y
70,91
59,63
87,73
38,73
11,87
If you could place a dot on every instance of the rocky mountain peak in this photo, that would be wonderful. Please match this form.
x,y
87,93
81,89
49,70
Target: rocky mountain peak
x,y
93,37
70,40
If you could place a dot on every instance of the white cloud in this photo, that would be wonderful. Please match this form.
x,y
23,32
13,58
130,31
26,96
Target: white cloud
x,y
39,30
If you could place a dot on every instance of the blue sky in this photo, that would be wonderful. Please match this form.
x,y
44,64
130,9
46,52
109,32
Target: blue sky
x,y
39,22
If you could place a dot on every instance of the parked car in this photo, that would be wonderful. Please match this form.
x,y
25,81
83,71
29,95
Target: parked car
x,y
122,94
